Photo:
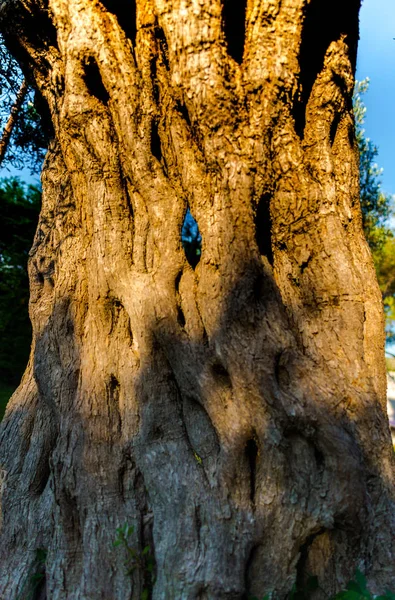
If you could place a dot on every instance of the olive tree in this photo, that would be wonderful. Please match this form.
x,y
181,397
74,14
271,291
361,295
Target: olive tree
x,y
231,414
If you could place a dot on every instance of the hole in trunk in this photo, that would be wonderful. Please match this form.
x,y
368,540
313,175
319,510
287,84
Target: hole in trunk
x,y
156,149
93,81
191,239
263,228
125,11
324,23
233,16
251,452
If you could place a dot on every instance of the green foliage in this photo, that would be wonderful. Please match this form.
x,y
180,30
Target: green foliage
x,y
141,560
384,260
356,589
19,208
198,458
377,208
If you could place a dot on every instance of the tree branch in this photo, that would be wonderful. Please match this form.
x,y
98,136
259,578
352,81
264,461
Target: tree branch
x,y
9,128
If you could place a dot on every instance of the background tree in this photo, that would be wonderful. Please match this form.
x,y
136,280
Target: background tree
x,y
22,143
24,136
232,415
377,210
19,208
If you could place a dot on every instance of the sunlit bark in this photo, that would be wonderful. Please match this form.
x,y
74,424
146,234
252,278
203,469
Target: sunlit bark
x,y
234,414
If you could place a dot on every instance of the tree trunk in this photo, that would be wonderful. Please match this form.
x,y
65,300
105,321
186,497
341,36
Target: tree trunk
x,y
232,415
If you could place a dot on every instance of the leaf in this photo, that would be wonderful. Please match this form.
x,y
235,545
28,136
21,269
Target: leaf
x,y
197,458
353,586
361,580
146,550
348,595
145,594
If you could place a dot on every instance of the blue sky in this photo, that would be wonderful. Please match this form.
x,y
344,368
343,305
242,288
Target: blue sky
x,y
376,60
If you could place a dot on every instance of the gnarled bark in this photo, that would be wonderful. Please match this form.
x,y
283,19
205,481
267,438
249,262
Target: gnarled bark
x,y
234,414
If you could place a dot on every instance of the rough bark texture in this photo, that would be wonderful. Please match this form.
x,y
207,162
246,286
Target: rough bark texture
x,y
234,414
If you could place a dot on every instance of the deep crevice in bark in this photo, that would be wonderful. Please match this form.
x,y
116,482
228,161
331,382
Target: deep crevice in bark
x,y
163,46
302,575
42,476
334,127
114,418
156,147
154,81
128,197
319,458
263,227
40,591
146,532
125,11
182,109
323,24
251,451
253,557
233,16
180,316
94,82
177,281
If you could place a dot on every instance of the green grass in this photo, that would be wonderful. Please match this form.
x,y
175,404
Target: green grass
x,y
5,394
